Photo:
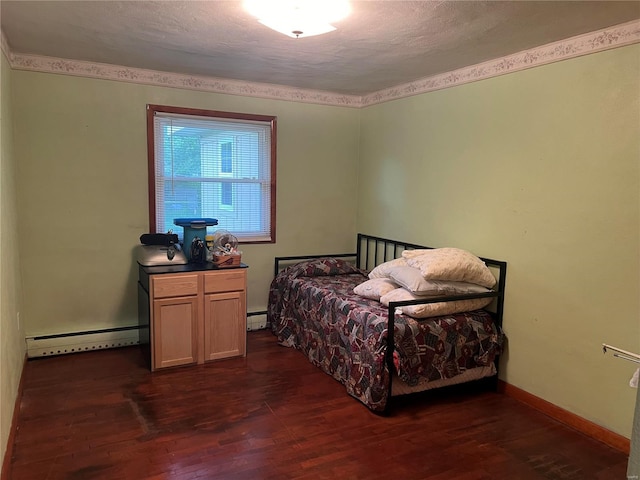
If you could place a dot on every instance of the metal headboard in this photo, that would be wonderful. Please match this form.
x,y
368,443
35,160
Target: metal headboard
x,y
372,251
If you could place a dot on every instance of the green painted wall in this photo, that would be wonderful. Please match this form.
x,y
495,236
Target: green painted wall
x,y
82,180
12,344
540,168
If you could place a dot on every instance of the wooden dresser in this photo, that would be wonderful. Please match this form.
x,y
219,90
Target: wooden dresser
x,y
191,314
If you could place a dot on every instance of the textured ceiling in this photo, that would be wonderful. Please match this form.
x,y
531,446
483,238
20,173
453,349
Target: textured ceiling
x,y
380,45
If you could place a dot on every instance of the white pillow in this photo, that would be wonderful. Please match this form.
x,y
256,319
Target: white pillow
x,y
412,279
375,288
450,264
431,309
382,270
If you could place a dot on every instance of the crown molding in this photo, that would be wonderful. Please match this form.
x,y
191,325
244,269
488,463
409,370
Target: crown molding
x,y
616,36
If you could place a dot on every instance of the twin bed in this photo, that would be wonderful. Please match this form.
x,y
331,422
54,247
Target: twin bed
x,y
444,307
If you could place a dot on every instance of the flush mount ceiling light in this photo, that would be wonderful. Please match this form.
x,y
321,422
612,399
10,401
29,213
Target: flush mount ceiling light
x,y
298,18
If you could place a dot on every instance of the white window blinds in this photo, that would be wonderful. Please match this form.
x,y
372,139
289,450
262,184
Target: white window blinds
x,y
212,167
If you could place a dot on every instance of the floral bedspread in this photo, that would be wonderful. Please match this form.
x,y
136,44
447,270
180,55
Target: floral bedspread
x,y
312,307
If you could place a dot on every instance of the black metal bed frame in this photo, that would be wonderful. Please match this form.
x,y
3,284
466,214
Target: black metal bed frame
x,y
372,251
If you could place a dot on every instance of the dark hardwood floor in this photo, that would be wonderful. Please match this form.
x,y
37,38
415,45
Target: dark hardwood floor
x,y
272,415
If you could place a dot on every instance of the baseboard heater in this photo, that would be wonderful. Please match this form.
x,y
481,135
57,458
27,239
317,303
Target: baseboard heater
x,y
75,342
256,320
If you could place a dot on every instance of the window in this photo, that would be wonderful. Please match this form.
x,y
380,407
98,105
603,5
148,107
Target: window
x,y
226,157
226,196
210,164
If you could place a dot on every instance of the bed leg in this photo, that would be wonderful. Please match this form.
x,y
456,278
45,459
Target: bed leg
x,y
390,365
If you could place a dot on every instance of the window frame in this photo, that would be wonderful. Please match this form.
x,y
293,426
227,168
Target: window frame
x,y
271,120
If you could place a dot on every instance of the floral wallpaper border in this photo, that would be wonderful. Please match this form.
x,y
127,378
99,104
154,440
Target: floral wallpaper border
x,y
616,36
4,45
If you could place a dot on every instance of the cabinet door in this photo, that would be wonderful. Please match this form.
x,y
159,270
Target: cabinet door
x,y
225,325
175,323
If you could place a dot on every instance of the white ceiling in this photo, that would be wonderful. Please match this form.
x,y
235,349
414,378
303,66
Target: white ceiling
x,y
380,45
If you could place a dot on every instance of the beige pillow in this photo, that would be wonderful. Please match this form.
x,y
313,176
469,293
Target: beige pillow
x,y
412,279
375,288
431,309
382,270
452,264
